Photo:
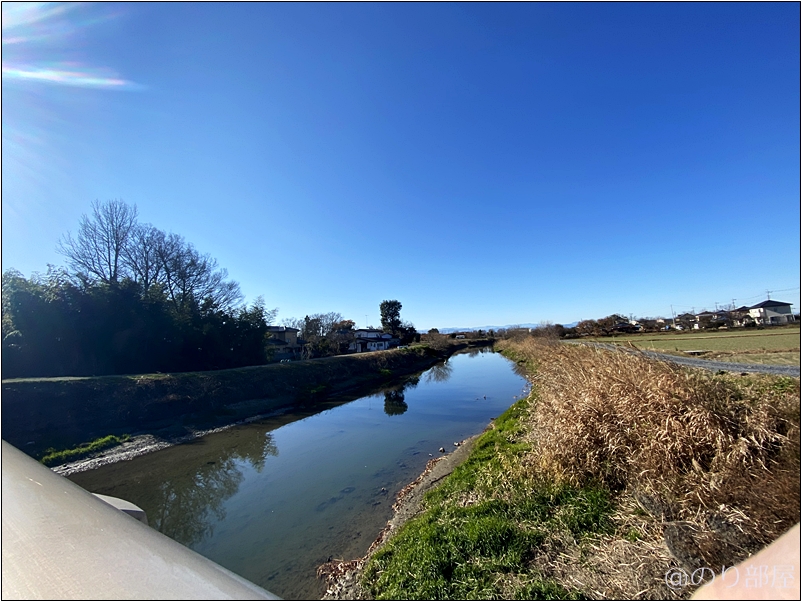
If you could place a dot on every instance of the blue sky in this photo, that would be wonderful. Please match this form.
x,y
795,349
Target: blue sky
x,y
481,163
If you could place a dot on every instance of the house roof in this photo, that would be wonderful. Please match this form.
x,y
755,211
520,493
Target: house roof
x,y
282,329
770,303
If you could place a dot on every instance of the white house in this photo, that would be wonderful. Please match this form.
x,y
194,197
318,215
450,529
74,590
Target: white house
x,y
370,339
772,312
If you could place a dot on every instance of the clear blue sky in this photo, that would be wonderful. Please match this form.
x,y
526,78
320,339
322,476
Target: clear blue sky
x,y
481,163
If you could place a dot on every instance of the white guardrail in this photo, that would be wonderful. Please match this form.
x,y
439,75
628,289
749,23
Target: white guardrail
x,y
61,542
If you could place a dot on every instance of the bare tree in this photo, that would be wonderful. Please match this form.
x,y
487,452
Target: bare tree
x,y
191,277
96,252
142,258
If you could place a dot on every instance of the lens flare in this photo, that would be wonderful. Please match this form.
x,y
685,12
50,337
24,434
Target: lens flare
x,y
36,42
69,76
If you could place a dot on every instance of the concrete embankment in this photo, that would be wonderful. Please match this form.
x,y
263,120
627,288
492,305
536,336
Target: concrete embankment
x,y
63,412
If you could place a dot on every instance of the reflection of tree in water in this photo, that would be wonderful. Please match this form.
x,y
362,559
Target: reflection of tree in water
x,y
439,373
411,382
256,449
394,403
192,502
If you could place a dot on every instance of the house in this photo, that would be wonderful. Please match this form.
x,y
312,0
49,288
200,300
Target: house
x,y
371,339
740,316
772,312
626,326
684,321
712,319
283,341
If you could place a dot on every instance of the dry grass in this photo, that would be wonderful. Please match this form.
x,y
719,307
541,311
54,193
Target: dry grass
x,y
775,358
713,458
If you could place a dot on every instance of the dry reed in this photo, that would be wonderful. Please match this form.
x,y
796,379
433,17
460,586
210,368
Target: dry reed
x,y
714,456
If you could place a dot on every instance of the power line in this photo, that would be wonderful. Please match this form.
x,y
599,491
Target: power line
x,y
768,293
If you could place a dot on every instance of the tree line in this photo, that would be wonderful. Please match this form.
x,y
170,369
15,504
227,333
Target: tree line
x,y
135,299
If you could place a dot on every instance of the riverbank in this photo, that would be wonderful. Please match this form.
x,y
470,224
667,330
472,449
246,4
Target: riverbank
x,y
64,412
343,577
614,471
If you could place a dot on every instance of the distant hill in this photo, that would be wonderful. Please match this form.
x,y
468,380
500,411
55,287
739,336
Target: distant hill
x,y
474,328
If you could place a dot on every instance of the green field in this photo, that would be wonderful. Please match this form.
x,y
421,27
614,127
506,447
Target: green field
x,y
776,346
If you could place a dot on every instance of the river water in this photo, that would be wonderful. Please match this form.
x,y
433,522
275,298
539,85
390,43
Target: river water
x,y
274,499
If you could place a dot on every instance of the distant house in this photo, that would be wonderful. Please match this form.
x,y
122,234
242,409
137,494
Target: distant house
x,y
684,321
371,339
740,316
772,312
712,319
283,340
626,327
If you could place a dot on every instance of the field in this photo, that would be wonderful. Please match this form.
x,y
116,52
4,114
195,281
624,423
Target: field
x,y
778,346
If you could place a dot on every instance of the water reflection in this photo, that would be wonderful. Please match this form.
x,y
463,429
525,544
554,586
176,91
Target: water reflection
x,y
189,504
439,373
394,403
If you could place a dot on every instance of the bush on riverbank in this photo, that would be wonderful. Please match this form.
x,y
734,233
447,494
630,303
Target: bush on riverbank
x,y
616,469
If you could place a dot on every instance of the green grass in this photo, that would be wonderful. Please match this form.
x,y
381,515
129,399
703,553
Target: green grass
x,y
54,458
481,548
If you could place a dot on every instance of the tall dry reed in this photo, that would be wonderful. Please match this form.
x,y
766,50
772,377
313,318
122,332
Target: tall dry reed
x,y
691,444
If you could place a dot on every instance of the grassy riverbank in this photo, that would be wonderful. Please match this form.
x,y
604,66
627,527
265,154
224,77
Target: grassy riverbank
x,y
62,413
616,469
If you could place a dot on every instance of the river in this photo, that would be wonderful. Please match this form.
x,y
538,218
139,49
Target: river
x,y
274,499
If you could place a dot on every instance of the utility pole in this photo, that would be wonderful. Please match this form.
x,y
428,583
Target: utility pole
x,y
768,294
673,318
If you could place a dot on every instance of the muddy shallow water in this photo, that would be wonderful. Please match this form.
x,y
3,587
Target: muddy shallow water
x,y
273,499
